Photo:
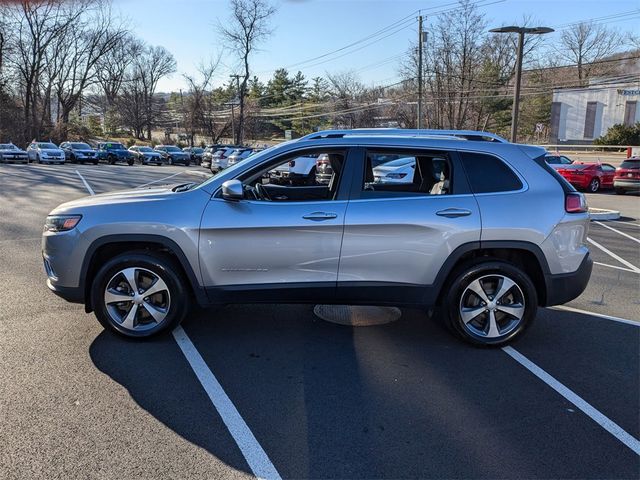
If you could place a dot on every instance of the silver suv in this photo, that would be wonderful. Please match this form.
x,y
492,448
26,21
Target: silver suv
x,y
486,230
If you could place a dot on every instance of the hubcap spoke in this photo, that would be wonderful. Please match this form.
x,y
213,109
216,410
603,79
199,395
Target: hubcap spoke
x,y
129,320
504,287
130,275
111,296
476,287
469,314
157,313
493,325
516,310
158,286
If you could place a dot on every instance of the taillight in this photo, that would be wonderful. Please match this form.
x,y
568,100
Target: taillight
x,y
575,203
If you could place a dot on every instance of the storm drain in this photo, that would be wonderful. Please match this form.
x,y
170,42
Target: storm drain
x,y
357,315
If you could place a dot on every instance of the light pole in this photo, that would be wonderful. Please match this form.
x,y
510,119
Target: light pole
x,y
521,31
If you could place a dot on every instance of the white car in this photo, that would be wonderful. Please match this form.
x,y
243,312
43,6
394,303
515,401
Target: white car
x,y
396,171
146,155
45,152
300,170
220,159
239,155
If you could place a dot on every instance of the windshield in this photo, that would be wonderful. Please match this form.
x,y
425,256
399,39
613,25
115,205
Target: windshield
x,y
240,165
83,146
172,149
113,146
46,145
145,149
8,146
630,164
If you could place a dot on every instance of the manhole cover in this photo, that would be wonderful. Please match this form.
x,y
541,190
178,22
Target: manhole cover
x,y
356,315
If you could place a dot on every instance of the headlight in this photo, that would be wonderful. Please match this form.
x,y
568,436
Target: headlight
x,y
61,223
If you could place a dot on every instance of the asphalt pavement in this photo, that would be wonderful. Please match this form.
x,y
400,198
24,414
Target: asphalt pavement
x,y
247,390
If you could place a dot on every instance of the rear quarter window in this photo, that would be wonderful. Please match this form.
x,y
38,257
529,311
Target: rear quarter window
x,y
489,174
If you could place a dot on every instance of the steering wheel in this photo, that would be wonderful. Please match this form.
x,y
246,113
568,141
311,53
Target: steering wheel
x,y
262,192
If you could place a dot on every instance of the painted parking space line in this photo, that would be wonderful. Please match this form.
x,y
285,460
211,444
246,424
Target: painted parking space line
x,y
605,422
613,255
617,231
635,323
624,223
87,186
159,180
615,266
253,453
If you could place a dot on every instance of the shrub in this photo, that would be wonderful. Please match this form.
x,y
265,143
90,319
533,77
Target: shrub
x,y
620,134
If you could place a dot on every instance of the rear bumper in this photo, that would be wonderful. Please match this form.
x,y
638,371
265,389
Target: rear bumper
x,y
562,288
626,184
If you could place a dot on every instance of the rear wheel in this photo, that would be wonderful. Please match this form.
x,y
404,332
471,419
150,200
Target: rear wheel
x,y
139,294
594,185
490,303
112,160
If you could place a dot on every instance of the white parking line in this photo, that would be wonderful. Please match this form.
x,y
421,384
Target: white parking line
x,y
596,314
87,186
253,453
614,256
618,231
625,223
615,266
160,180
598,417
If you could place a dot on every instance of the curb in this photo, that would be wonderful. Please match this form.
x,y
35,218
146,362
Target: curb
x,y
603,214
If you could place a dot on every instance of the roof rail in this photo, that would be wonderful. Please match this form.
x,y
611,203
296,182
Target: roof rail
x,y
466,134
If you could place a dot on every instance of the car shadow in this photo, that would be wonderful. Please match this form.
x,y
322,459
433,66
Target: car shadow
x,y
399,400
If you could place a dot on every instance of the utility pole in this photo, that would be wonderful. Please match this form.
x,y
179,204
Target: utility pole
x,y
419,72
238,140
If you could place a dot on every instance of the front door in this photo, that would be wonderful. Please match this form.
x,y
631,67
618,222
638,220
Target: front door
x,y
282,241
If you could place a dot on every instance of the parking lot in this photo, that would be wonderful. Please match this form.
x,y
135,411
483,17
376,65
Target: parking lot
x,y
273,391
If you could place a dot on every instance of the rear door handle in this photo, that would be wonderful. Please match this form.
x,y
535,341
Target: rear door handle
x,y
319,216
453,212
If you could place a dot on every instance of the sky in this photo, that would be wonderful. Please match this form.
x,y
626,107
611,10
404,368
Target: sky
x,y
307,29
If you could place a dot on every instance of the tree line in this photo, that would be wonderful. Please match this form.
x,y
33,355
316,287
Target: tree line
x,y
66,64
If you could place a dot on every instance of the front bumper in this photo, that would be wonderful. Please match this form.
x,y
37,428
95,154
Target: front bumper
x,y
564,287
70,294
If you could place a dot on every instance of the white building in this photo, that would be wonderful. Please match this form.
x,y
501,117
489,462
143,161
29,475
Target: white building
x,y
580,115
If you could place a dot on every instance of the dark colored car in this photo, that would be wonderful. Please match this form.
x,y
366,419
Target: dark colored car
x,y
557,160
627,176
588,176
174,155
196,154
75,152
114,152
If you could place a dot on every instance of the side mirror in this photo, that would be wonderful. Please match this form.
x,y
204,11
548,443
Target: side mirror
x,y
232,190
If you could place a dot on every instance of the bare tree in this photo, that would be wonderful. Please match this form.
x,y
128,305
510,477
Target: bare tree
x,y
249,25
585,43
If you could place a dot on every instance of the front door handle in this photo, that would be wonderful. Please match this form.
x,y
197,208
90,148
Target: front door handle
x,y
319,216
453,212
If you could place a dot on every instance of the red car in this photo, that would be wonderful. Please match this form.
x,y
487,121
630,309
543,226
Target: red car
x,y
627,178
588,176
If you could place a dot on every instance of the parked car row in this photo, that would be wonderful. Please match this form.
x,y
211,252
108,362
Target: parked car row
x,y
219,157
111,152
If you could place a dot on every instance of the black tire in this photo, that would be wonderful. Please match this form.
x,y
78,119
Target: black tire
x,y
620,191
39,159
95,162
159,264
490,271
170,161
129,162
111,159
594,185
187,163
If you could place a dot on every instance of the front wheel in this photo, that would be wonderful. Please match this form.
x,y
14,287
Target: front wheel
x,y
490,303
139,294
129,162
187,163
594,185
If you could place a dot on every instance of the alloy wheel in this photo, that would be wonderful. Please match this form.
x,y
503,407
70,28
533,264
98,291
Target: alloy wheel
x,y
137,299
492,306
594,185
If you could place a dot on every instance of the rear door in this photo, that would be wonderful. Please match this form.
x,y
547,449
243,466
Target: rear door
x,y
398,235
